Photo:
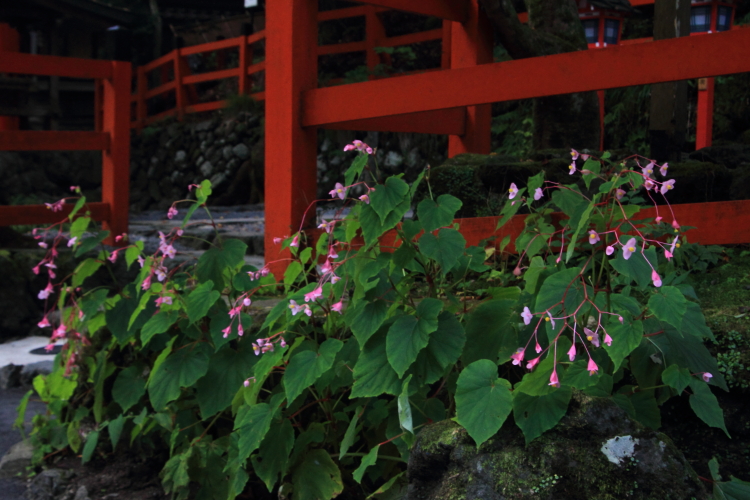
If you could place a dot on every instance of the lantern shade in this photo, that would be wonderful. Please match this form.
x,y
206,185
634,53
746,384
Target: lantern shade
x,y
602,20
709,16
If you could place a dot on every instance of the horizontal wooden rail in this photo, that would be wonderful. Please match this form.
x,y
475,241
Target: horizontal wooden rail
x,y
40,214
256,37
255,68
654,62
211,46
443,121
27,140
206,106
451,10
159,61
330,15
211,75
165,87
28,64
422,36
714,224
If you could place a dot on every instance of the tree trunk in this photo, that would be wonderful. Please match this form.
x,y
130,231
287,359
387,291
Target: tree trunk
x,y
562,121
668,117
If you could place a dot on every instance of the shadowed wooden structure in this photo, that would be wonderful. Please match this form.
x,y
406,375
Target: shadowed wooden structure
x,y
112,137
295,107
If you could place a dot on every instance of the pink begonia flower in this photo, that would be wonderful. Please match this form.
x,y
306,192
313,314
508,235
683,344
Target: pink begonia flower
x,y
35,269
171,213
339,191
240,331
179,231
658,219
655,278
161,273
56,206
675,225
295,241
592,337
146,283
648,170
44,323
338,306
118,238
72,241
246,301
277,240
538,348
670,253
572,168
234,311
607,339
538,194
282,343
326,267
112,257
663,169
593,237
246,383
572,352
256,348
517,271
620,319
526,315
666,186
226,331
365,198
574,154
706,377
59,332
43,244
314,295
610,250
164,300
43,294
628,249
592,368
327,226
169,251
517,357
532,363
649,185
584,157
553,380
513,191
332,253
141,260
335,279
295,307
619,193
359,146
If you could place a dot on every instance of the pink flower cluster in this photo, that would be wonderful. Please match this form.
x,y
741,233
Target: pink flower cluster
x,y
359,146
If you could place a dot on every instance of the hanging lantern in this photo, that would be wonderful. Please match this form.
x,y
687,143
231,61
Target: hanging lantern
x,y
711,16
602,20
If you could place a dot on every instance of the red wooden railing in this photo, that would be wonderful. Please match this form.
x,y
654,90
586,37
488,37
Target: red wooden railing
x,y
112,137
182,82
295,107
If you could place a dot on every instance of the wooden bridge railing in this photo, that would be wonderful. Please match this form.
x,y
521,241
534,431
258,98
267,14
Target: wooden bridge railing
x,y
175,74
112,137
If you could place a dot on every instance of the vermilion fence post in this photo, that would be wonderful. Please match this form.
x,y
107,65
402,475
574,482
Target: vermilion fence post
x,y
116,159
290,163
179,89
704,119
140,104
374,33
471,44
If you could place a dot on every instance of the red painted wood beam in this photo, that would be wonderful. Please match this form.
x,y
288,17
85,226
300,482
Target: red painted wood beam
x,y
32,140
28,64
40,214
452,10
116,158
660,61
291,151
443,121
704,117
211,75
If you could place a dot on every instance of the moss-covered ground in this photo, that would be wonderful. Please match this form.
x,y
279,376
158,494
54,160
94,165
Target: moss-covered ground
x,y
723,289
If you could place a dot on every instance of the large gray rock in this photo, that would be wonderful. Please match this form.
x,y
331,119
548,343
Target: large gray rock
x,y
595,452
30,371
48,484
10,376
241,151
17,459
